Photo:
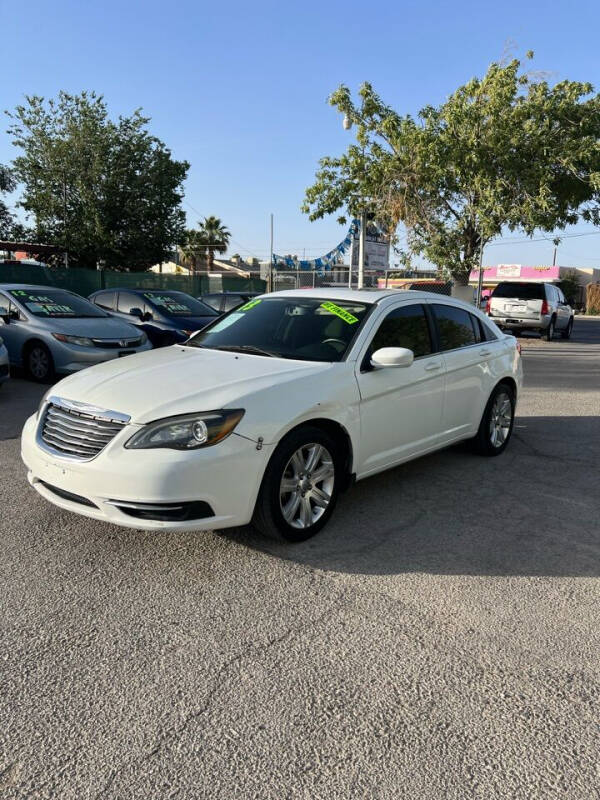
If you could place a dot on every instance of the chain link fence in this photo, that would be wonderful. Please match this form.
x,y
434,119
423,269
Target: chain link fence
x,y
86,281
338,278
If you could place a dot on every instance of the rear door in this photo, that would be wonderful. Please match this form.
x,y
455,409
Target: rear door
x,y
459,338
401,407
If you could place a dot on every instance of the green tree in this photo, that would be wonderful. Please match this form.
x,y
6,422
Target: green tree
x,y
7,184
504,152
97,188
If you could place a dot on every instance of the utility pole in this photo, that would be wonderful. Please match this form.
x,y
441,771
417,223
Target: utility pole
x,y
66,254
480,279
361,248
270,281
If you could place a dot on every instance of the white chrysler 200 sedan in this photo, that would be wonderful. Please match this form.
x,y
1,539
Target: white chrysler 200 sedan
x,y
268,413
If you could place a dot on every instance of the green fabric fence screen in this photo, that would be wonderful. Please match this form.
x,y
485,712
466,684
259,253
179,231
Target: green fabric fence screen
x,y
86,281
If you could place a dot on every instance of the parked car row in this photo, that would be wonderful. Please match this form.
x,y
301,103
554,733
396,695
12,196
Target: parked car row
x,y
49,331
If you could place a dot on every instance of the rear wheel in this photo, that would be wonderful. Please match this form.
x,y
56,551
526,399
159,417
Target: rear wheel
x,y
300,486
39,363
549,335
497,422
566,334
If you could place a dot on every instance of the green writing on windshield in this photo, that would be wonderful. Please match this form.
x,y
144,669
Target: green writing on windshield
x,y
340,312
249,305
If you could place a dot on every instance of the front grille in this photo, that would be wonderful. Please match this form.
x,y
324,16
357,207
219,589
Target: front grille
x,y
113,344
77,434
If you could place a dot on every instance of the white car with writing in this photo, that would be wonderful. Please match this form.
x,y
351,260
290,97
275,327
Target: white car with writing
x,y
266,415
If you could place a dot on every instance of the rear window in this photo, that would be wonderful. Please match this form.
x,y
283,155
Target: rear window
x,y
520,291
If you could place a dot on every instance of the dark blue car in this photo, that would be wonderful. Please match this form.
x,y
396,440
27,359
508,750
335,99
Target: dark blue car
x,y
167,316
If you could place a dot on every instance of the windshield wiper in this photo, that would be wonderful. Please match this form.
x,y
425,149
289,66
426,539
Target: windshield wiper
x,y
245,348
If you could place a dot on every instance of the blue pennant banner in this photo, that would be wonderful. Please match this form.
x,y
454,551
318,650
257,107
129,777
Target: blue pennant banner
x,y
324,262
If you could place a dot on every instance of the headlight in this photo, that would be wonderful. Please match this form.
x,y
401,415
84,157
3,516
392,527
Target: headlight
x,y
83,341
187,432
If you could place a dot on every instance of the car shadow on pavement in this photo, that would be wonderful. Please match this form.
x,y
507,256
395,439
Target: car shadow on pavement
x,y
532,511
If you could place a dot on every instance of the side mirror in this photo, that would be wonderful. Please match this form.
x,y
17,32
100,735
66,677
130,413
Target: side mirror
x,y
136,312
392,357
147,316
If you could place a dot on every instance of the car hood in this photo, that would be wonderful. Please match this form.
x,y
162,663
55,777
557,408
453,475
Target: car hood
x,y
96,327
179,380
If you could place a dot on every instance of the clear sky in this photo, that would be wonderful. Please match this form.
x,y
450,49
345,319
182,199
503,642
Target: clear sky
x,y
239,88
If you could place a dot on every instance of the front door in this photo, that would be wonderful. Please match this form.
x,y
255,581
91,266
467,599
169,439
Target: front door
x,y
400,407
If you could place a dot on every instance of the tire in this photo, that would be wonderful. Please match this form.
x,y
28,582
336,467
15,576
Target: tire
x,y
492,438
284,515
550,330
39,364
566,334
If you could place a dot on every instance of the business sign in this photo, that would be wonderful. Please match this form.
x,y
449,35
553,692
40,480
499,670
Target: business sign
x,y
377,250
508,270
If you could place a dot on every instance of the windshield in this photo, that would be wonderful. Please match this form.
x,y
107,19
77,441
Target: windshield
x,y
179,304
520,291
288,327
55,303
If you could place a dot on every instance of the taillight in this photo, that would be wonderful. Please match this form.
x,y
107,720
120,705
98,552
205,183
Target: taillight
x,y
544,307
488,305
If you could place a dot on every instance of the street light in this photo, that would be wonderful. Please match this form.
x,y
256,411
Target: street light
x,y
347,124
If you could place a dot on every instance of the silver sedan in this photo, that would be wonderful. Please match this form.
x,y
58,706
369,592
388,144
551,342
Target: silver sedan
x,y
48,331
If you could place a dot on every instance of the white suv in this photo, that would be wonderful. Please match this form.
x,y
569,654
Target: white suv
x,y
531,306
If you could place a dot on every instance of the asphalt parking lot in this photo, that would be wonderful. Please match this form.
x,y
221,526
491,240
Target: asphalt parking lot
x,y
440,639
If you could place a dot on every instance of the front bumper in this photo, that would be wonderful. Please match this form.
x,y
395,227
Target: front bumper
x,y
226,477
72,358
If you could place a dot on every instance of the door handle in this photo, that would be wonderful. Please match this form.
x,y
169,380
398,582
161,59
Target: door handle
x,y
485,351
431,367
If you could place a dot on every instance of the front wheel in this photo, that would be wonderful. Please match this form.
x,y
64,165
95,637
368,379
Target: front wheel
x,y
39,363
497,422
300,486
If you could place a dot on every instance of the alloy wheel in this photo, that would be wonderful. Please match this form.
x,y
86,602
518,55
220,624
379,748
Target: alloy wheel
x,y
307,485
39,363
500,419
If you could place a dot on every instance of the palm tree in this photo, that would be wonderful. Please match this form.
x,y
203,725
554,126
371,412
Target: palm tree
x,y
214,237
192,249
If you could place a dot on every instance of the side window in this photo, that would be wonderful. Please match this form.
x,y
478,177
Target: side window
x,y
105,300
128,300
4,305
454,327
487,333
232,301
405,326
551,293
561,297
479,335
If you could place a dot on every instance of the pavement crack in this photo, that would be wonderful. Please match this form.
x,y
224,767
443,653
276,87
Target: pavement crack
x,y
175,732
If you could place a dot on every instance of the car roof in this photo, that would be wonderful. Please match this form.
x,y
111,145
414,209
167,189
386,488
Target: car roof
x,y
359,295
12,286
